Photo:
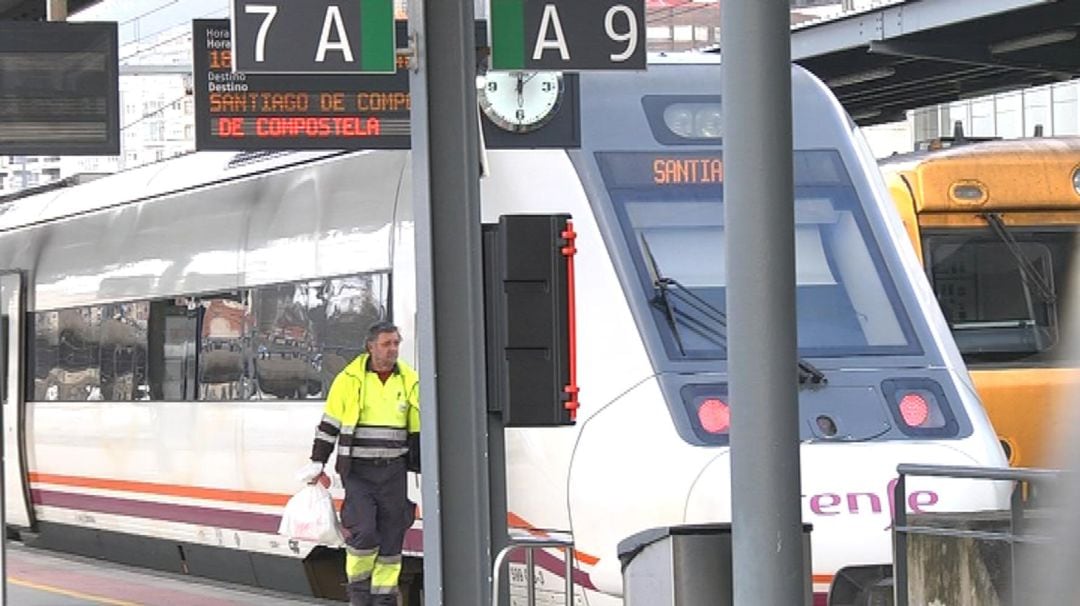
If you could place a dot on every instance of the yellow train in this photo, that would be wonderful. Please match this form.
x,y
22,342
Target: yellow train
x,y
995,226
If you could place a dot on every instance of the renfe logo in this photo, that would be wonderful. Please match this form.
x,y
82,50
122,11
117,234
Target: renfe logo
x,y
868,503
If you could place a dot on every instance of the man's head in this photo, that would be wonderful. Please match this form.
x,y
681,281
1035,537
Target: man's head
x,y
383,340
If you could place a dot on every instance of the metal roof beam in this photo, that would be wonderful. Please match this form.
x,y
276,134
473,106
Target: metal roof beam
x,y
913,88
897,20
864,108
966,55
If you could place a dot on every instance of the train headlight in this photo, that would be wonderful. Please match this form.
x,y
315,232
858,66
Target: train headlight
x,y
1076,179
680,120
968,192
919,407
708,122
694,120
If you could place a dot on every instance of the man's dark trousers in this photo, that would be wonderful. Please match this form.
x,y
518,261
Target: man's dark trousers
x,y
376,514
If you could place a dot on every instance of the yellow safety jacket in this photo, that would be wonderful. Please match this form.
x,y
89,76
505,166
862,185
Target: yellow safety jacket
x,y
366,418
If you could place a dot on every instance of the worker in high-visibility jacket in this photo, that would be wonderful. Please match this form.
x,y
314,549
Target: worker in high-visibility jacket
x,y
373,416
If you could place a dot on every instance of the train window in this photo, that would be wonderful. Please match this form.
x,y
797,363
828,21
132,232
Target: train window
x,y
352,304
123,355
997,312
44,355
304,333
288,318
667,247
171,343
91,353
670,207
78,371
67,354
285,341
223,333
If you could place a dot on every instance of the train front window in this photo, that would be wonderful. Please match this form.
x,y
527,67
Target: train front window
x,y
1002,295
671,211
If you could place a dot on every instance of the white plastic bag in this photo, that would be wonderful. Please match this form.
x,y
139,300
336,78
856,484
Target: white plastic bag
x,y
310,516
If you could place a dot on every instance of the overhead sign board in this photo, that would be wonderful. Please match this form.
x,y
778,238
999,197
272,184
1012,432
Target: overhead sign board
x,y
313,36
236,111
59,92
567,34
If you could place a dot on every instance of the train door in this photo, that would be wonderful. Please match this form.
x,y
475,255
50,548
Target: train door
x,y
16,495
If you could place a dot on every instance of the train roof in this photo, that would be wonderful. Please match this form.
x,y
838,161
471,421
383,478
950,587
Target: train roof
x,y
187,172
986,149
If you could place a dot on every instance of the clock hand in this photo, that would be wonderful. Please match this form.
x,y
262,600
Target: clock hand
x,y
520,90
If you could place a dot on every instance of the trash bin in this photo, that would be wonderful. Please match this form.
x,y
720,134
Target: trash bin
x,y
686,565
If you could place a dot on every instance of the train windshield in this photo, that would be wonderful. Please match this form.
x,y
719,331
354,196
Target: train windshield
x,y
1001,289
671,211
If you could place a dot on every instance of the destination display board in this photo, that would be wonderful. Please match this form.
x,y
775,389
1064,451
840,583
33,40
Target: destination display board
x,y
643,169
235,111
59,91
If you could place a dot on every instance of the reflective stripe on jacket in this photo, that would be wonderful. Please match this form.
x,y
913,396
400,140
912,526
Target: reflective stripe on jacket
x,y
366,418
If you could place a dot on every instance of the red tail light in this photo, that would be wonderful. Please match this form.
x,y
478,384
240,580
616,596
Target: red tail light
x,y
920,407
714,415
914,409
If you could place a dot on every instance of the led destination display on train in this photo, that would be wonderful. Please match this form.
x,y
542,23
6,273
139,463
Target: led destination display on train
x,y
636,169
235,111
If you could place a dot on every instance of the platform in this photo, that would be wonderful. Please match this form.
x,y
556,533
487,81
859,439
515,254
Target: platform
x,y
43,578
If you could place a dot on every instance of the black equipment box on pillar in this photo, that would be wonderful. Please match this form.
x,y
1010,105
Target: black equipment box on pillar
x,y
529,319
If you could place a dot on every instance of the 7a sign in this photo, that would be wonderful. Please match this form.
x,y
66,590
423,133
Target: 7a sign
x,y
567,34
313,36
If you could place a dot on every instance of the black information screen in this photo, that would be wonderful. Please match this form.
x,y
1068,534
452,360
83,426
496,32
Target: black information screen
x,y
235,111
59,90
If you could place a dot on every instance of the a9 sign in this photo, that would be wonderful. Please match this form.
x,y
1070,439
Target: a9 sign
x,y
629,36
568,35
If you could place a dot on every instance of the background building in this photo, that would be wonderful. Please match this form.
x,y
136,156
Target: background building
x,y
1055,108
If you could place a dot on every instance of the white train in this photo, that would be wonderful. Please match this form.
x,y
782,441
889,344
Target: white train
x,y
183,319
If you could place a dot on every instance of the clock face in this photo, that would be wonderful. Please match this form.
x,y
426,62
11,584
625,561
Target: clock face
x,y
521,101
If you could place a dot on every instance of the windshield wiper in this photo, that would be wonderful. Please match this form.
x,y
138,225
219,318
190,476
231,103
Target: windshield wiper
x,y
661,294
1029,274
668,290
715,332
808,373
666,287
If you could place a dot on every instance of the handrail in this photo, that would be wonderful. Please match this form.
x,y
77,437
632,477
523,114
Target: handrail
x,y
529,543
1021,476
980,473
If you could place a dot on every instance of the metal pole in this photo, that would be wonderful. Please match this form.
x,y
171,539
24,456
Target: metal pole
x,y
446,193
500,537
760,231
530,578
900,541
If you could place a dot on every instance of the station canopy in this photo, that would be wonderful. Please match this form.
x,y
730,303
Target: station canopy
x,y
905,55
34,10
